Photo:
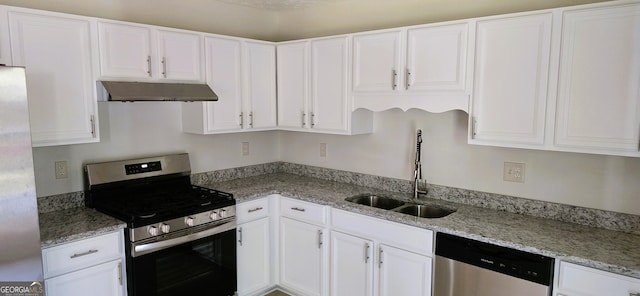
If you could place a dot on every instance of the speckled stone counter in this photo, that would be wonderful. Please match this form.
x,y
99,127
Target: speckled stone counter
x,y
595,247
63,226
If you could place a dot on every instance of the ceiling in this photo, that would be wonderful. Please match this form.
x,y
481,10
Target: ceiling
x,y
279,4
281,20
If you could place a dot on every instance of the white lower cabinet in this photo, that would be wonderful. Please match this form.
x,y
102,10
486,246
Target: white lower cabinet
x,y
402,272
94,264
255,260
577,280
103,279
376,257
303,251
351,265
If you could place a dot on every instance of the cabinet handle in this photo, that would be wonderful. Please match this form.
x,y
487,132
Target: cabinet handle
x,y
298,209
254,209
313,119
92,119
240,236
319,239
304,119
149,65
241,120
251,119
164,67
380,258
83,254
366,253
408,76
474,127
120,273
394,79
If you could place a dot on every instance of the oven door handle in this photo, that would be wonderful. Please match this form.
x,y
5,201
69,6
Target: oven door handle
x,y
139,250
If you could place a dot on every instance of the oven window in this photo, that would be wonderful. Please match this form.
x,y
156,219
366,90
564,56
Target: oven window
x,y
193,268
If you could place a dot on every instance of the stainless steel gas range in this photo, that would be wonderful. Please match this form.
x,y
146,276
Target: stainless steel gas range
x,y
180,238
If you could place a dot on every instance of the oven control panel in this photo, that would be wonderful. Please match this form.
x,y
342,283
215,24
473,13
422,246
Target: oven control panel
x,y
139,168
179,224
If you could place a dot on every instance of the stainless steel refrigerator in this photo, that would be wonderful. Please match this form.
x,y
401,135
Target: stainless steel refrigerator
x,y
20,255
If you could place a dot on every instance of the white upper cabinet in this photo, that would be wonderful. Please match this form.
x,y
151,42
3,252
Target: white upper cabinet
x,y
242,73
57,51
377,64
5,43
511,74
139,52
313,79
260,72
417,67
293,85
223,57
436,58
598,104
180,55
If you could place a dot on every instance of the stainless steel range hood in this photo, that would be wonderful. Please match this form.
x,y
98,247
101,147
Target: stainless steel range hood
x,y
149,91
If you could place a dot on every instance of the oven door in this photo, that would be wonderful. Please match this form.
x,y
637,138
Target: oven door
x,y
190,264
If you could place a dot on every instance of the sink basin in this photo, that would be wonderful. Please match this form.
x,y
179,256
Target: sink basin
x,y
376,201
424,211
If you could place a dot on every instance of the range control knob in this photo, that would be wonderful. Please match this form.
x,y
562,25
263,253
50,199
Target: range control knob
x,y
222,213
152,230
189,221
165,228
213,215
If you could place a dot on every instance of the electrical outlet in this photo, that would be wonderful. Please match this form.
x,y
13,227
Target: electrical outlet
x,y
323,149
514,172
61,169
245,148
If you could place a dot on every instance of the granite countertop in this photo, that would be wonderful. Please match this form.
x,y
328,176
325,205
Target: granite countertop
x,y
69,225
594,247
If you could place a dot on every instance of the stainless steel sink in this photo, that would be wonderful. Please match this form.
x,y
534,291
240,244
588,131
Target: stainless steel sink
x,y
424,211
376,201
396,205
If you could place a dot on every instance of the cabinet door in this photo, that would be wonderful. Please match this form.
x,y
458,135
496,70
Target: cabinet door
x,y
57,53
577,280
180,55
224,75
330,110
351,265
436,58
302,257
253,256
511,73
125,51
102,280
261,86
376,62
598,90
5,44
293,85
403,272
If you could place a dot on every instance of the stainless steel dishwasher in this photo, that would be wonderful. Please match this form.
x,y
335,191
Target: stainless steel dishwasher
x,y
465,267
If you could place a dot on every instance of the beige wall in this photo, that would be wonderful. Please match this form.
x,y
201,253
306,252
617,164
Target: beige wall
x,y
327,18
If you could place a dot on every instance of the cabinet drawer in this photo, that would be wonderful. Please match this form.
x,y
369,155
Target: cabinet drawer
x,y
81,254
252,210
407,237
583,280
303,211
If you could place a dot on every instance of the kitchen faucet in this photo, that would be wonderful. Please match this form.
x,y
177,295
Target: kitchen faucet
x,y
419,184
